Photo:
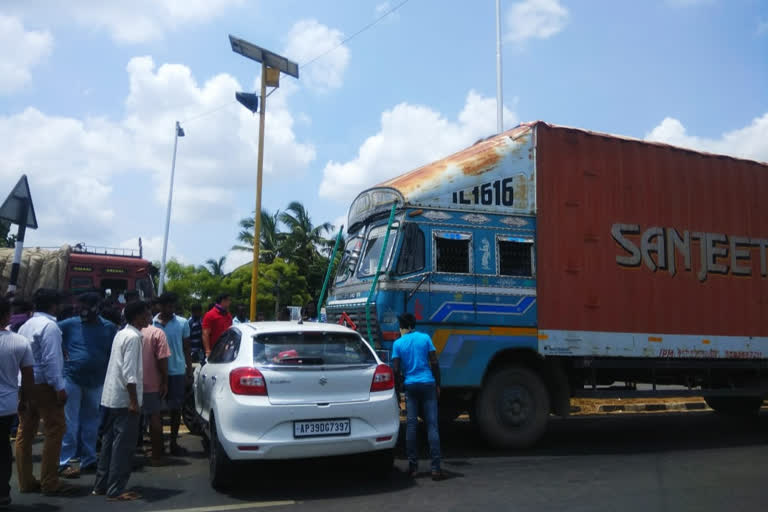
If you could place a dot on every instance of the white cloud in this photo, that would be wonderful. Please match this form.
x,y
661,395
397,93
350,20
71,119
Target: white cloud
x,y
410,136
153,247
748,142
539,19
20,51
73,164
135,21
309,39
236,259
224,143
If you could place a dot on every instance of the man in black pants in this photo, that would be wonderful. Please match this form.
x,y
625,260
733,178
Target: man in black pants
x,y
15,354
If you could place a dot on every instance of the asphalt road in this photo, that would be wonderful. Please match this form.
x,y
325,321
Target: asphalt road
x,y
645,462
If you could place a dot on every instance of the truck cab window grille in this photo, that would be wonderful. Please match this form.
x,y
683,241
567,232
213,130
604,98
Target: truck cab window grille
x,y
452,255
515,258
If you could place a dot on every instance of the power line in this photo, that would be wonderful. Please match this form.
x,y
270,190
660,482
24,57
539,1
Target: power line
x,y
314,59
371,24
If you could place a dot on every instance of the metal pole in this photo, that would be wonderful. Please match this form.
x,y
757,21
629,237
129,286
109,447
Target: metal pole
x,y
499,94
24,205
257,219
378,271
328,272
168,210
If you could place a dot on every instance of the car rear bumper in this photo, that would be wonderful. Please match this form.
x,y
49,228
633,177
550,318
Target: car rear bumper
x,y
249,428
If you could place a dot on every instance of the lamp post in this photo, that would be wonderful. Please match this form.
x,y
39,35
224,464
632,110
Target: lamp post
x,y
179,133
499,94
272,65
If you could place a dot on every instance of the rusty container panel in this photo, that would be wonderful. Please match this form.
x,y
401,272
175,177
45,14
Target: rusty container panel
x,y
588,183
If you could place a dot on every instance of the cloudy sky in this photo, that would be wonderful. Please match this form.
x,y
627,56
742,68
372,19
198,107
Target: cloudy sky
x,y
90,92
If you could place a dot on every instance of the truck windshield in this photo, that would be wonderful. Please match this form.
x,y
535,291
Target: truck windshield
x,y
349,260
372,251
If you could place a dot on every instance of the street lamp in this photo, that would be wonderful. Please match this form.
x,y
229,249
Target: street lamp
x,y
179,133
272,65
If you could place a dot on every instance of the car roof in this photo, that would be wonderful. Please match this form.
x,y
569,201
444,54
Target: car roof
x,y
270,327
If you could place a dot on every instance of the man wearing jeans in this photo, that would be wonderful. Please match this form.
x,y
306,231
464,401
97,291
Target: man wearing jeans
x,y
121,399
87,343
415,358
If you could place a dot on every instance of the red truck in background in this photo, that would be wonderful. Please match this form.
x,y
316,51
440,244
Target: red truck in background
x,y
78,269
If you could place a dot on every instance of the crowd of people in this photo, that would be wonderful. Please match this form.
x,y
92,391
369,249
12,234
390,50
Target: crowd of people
x,y
106,375
96,374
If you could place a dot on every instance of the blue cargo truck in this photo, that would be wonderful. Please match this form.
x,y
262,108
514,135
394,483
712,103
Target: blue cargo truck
x,y
521,257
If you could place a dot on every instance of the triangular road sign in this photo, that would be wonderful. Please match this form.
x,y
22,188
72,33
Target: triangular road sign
x,y
12,209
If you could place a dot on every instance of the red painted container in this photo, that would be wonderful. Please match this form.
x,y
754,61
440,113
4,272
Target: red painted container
x,y
588,183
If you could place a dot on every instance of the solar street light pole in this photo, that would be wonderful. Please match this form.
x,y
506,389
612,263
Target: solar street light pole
x,y
499,94
272,65
257,219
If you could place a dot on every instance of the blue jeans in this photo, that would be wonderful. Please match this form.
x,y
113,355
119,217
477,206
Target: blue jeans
x,y
421,397
83,417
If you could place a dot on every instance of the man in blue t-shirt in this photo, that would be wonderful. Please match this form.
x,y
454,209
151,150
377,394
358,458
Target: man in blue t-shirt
x,y
87,344
176,331
414,357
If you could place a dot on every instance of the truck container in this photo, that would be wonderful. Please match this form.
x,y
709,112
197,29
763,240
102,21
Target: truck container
x,y
549,262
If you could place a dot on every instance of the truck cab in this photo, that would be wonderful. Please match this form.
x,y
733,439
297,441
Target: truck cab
x,y
460,256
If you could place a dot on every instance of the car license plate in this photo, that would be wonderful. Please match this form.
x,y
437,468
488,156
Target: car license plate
x,y
313,428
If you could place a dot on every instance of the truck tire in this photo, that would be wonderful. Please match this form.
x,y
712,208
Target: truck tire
x,y
735,405
512,408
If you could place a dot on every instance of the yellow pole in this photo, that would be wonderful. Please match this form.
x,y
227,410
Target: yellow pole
x,y
257,219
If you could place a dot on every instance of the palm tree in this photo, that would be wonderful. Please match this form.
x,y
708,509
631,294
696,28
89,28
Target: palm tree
x,y
271,237
304,238
216,267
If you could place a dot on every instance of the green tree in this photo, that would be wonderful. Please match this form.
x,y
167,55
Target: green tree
x,y
306,244
271,238
216,267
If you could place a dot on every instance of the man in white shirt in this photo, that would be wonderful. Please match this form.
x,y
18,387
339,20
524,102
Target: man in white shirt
x,y
45,401
121,399
15,355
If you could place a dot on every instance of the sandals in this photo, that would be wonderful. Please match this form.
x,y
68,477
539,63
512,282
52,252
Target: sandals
x,y
438,476
126,496
70,473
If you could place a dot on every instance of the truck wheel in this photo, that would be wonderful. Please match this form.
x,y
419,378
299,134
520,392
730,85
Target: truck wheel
x,y
219,464
512,408
735,405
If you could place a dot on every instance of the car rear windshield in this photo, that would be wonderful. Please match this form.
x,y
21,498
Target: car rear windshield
x,y
311,348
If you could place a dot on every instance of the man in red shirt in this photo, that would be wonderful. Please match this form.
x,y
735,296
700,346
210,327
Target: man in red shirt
x,y
215,322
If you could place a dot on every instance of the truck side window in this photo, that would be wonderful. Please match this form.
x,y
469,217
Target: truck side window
x,y
412,251
452,252
515,256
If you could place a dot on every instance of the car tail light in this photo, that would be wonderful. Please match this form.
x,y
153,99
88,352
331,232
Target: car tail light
x,y
247,381
383,378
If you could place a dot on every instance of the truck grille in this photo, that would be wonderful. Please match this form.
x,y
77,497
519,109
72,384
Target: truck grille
x,y
356,314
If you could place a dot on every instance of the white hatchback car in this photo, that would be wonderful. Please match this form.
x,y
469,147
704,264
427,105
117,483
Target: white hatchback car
x,y
285,390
